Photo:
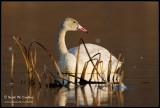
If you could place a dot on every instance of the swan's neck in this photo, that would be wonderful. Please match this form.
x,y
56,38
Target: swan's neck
x,y
62,49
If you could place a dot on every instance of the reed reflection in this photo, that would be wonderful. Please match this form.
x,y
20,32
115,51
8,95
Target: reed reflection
x,y
87,95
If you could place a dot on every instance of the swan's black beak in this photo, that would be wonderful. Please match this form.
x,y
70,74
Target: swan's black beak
x,y
82,29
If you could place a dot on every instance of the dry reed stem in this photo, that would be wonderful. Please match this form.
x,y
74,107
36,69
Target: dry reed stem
x,y
25,57
98,61
109,68
91,59
121,78
45,75
93,71
118,98
34,64
84,70
76,94
98,64
99,100
22,43
84,96
54,75
50,74
85,67
120,67
38,94
52,58
12,65
121,97
117,64
34,71
77,62
97,69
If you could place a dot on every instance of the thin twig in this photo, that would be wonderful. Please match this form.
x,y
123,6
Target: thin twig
x,y
12,65
91,58
52,58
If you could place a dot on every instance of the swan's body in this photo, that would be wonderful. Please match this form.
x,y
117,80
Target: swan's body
x,y
67,62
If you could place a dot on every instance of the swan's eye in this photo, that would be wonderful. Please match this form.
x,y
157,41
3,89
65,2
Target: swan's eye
x,y
74,22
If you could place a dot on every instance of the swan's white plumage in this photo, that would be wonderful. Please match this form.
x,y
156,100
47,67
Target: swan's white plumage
x,y
67,62
94,49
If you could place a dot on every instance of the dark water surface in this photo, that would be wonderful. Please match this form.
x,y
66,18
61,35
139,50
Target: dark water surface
x,y
129,28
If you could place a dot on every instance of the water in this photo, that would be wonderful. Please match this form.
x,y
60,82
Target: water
x,y
129,28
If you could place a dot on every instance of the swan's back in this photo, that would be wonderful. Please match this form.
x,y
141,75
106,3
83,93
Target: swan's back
x,y
94,49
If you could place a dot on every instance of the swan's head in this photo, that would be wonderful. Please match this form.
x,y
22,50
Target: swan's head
x,y
70,24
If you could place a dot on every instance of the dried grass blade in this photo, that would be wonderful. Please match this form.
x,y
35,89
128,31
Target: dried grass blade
x,y
26,58
91,59
109,68
93,71
52,58
121,78
76,94
12,65
54,75
22,43
35,55
76,70
121,98
120,67
30,45
84,96
84,70
117,64
34,71
45,75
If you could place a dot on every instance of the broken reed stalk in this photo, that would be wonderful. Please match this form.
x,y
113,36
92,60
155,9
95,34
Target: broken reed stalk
x,y
85,66
45,75
31,70
81,40
33,65
84,96
93,71
12,65
121,97
91,58
54,75
76,70
76,96
120,68
26,58
84,70
52,58
98,61
34,69
22,43
34,61
109,68
117,65
51,75
121,78
98,64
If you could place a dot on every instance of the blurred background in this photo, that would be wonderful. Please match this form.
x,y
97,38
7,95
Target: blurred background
x,y
129,28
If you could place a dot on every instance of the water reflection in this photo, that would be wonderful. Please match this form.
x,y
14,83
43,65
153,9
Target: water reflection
x,y
88,95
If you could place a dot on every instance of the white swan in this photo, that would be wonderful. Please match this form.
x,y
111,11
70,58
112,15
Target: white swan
x,y
67,62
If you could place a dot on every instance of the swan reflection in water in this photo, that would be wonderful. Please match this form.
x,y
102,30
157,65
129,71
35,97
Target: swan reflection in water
x,y
91,95
88,95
